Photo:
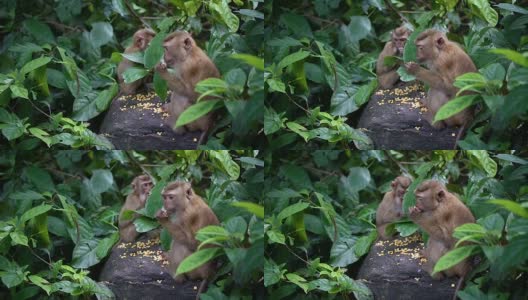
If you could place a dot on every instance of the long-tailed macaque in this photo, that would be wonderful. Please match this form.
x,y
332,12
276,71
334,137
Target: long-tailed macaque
x,y
189,65
140,42
141,186
438,212
390,208
387,76
183,214
445,60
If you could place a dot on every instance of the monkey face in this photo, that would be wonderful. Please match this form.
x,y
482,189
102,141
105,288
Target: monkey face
x,y
399,43
142,38
176,196
177,47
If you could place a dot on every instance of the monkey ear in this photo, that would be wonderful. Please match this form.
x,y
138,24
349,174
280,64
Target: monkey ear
x,y
441,195
393,183
187,43
440,42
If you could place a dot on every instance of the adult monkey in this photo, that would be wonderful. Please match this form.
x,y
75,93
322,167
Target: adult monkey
x,y
141,40
388,76
445,61
390,208
438,212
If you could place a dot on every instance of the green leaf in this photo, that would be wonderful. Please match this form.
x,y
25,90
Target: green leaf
x,y
276,237
482,159
221,10
35,211
512,55
85,254
483,9
160,86
299,129
409,51
40,134
272,121
298,25
197,110
298,280
197,259
454,106
34,64
512,8
154,52
19,91
101,33
41,282
453,257
39,30
251,60
253,208
360,27
290,59
292,209
18,238
512,206
276,85
406,229
145,224
101,181
134,73
40,178
137,57
226,163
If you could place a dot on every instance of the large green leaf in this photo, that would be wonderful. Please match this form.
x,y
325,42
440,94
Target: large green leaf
x,y
34,64
454,106
197,110
197,259
35,211
453,257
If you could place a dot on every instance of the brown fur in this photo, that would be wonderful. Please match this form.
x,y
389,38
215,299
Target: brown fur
x,y
438,213
387,76
184,214
141,40
191,66
445,61
141,186
390,208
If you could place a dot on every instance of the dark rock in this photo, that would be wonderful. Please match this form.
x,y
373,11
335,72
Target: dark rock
x,y
137,271
392,271
393,120
137,122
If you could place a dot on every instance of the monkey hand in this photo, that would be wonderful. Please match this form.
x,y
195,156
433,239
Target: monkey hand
x,y
161,214
412,67
161,67
414,211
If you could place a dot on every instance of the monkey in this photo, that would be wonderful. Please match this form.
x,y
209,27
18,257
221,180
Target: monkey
x,y
445,60
183,214
189,65
141,187
438,212
140,42
390,208
387,76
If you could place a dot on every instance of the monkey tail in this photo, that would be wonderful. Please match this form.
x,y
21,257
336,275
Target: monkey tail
x,y
201,288
459,134
458,286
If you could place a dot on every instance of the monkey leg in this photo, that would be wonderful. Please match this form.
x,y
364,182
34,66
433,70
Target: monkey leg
x,y
435,100
176,254
128,233
202,272
381,231
130,88
387,80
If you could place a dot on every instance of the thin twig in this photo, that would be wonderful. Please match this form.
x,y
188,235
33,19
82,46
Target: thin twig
x,y
147,25
389,4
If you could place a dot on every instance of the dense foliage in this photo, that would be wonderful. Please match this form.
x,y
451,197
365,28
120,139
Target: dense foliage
x,y
320,218
320,67
58,66
58,217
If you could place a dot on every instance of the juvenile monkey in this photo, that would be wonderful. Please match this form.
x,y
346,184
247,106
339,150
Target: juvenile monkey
x,y
141,186
387,76
445,61
189,65
140,42
183,214
390,208
438,212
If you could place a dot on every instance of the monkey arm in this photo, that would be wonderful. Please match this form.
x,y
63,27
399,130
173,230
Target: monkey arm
x,y
433,79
